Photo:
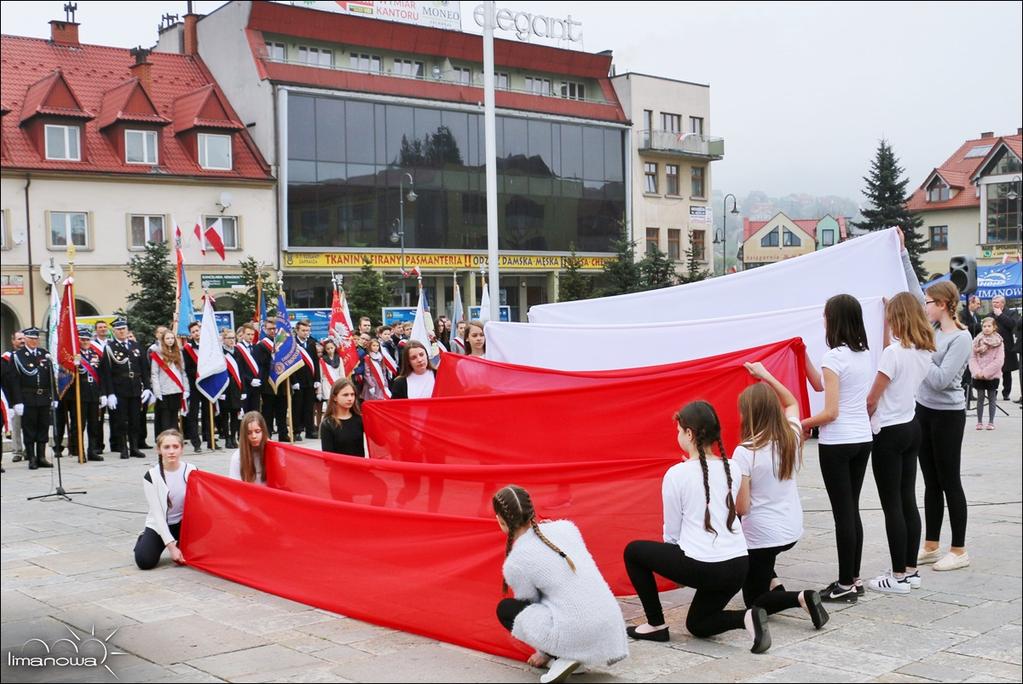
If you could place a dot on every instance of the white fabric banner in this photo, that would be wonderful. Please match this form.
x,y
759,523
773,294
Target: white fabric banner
x,y
866,266
608,347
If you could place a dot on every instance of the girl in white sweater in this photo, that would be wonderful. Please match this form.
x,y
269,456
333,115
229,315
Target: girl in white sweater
x,y
164,485
562,607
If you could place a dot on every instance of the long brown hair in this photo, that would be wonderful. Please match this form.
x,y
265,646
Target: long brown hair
x,y
946,295
172,354
515,507
908,322
844,323
763,423
167,434
465,336
406,367
335,390
702,419
247,454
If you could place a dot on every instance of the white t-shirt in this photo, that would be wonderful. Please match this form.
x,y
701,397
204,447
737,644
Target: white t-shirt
x,y
775,517
420,386
685,502
176,489
906,368
234,470
855,376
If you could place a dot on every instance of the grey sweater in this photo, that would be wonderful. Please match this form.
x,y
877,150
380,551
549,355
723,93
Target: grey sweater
x,y
942,389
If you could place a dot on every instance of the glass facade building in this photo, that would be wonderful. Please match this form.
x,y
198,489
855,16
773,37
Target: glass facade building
x,y
559,183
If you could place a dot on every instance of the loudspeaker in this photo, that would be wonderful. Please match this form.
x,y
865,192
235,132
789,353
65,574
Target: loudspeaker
x,y
962,271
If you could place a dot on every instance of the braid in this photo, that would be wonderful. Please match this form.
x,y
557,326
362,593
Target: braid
x,y
550,544
501,503
164,478
706,485
729,499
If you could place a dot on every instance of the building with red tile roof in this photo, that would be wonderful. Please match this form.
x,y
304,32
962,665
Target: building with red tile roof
x,y
780,237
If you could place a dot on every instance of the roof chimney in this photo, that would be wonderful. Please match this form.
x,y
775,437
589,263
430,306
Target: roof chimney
x,y
142,69
191,33
987,134
64,33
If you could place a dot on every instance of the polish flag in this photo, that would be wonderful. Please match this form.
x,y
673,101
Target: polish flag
x,y
212,236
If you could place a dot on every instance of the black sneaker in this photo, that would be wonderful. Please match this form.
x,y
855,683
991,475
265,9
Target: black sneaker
x,y
762,635
859,588
834,593
818,615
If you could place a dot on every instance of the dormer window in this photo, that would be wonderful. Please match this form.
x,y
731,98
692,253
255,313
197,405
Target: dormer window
x,y
215,152
938,192
140,147
63,143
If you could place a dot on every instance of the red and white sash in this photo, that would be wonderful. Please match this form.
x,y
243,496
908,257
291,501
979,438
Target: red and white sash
x,y
457,345
389,361
98,346
91,370
249,361
305,357
378,375
171,373
5,412
268,343
328,374
232,369
191,352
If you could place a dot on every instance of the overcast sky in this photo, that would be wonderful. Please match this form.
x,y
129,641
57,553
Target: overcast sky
x,y
801,92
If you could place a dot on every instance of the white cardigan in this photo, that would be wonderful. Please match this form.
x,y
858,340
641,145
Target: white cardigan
x,y
156,496
574,615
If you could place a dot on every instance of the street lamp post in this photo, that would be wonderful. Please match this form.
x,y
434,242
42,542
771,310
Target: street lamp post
x,y
722,237
400,234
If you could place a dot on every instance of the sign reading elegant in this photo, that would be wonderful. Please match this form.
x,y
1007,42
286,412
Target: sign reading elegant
x,y
437,14
442,262
526,25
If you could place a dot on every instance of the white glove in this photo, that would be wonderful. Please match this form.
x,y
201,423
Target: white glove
x,y
78,361
222,397
54,404
158,395
241,414
147,397
296,386
102,402
256,382
183,412
316,385
244,397
19,409
112,402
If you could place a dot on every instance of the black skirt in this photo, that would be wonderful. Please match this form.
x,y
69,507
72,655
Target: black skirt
x,y
981,384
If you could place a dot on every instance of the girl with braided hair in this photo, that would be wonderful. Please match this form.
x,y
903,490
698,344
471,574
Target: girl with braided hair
x,y
562,605
704,547
164,485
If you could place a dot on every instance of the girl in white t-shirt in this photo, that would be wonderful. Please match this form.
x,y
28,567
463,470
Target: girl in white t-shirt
x,y
892,408
772,517
703,545
845,437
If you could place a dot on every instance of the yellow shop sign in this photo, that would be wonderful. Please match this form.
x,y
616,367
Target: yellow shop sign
x,y
451,261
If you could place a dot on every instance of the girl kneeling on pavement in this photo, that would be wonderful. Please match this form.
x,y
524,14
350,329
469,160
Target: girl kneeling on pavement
x,y
703,547
562,607
164,486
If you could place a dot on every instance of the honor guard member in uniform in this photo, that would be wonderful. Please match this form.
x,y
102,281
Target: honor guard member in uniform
x,y
7,363
129,384
263,353
230,402
11,396
35,377
93,391
248,369
197,427
307,377
99,344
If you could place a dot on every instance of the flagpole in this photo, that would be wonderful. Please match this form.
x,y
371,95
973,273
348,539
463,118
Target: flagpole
x,y
78,376
287,384
209,402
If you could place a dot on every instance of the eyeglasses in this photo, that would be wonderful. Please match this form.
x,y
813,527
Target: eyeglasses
x,y
928,301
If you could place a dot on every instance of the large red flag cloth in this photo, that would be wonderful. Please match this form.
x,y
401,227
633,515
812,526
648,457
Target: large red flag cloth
x,y
459,375
620,418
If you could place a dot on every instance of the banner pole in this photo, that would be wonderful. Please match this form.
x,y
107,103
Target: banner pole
x,y
78,409
291,428
213,441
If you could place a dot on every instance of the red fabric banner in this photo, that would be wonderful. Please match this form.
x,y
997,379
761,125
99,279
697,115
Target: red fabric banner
x,y
617,418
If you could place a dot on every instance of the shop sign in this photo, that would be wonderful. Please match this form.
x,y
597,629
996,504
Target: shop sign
x,y
526,25
437,262
436,14
13,284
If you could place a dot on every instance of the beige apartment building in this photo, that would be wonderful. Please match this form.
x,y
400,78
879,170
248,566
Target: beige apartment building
x,y
671,152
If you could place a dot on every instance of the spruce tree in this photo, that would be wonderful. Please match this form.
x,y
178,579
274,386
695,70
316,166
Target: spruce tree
x,y
244,304
694,268
657,270
886,193
367,294
151,303
574,285
622,274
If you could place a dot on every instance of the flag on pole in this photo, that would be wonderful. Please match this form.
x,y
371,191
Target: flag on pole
x,y
340,330
286,359
67,340
215,237
259,311
186,311
51,328
199,236
212,377
419,330
485,303
457,313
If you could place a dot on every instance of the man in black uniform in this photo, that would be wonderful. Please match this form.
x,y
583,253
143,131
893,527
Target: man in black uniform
x,y
197,420
129,383
7,363
263,353
9,387
93,392
230,402
34,368
307,377
248,369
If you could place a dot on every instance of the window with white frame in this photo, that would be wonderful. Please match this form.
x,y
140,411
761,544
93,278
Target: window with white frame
x,y
539,86
364,62
462,75
230,229
790,239
315,56
145,229
140,147
409,68
650,175
502,81
63,142
69,227
573,90
215,152
276,51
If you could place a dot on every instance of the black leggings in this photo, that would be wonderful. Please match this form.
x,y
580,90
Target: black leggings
x,y
715,584
894,461
756,591
509,609
150,546
941,444
843,467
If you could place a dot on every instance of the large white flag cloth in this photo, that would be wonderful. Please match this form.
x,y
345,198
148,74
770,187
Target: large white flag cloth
x,y
485,304
867,266
212,376
419,330
609,347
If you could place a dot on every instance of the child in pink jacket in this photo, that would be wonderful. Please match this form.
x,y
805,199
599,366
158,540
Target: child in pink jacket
x,y
986,367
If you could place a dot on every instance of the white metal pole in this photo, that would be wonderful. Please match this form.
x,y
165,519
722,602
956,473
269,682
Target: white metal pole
x,y
490,133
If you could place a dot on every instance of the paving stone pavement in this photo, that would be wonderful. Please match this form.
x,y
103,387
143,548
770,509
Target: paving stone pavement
x,y
69,566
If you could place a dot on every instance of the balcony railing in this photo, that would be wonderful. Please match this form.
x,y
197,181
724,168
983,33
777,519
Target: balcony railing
x,y
687,144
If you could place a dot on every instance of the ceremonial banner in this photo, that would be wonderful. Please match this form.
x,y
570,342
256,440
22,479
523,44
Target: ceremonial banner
x,y
865,267
212,376
286,359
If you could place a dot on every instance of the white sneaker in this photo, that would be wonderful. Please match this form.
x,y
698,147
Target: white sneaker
x,y
914,580
953,561
928,557
559,671
888,584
